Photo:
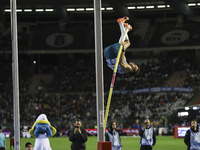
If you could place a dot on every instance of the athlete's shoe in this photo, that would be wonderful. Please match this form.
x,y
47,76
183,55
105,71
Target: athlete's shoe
x,y
122,19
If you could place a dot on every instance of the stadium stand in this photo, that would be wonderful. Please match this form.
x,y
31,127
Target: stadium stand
x,y
70,91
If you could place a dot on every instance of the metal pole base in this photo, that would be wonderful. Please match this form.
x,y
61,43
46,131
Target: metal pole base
x,y
104,146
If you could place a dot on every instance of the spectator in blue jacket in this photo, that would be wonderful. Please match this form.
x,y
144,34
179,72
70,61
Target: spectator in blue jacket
x,y
2,139
113,136
192,136
148,136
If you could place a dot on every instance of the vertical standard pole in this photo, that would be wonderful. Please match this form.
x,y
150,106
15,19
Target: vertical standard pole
x,y
15,74
99,70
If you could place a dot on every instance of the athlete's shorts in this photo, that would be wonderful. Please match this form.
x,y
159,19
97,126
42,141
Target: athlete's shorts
x,y
110,54
111,51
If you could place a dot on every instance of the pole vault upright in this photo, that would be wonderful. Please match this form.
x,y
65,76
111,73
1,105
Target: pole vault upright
x,y
15,75
99,70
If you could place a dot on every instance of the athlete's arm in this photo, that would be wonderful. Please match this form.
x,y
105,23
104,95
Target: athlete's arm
x,y
122,60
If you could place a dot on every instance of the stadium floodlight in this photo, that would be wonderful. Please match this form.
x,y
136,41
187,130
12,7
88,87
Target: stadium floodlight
x,y
28,10
195,108
109,8
7,10
140,7
168,6
49,10
89,9
34,62
187,108
131,7
161,6
192,4
19,10
198,4
80,9
39,10
149,7
102,8
70,9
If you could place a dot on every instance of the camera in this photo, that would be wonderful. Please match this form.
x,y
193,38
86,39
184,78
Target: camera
x,y
145,123
76,126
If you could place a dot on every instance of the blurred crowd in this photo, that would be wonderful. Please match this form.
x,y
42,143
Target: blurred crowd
x,y
71,93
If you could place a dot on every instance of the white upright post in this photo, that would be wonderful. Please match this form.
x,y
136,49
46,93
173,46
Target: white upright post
x,y
99,70
15,75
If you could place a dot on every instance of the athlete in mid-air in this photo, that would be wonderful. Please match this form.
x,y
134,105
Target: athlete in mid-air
x,y
111,52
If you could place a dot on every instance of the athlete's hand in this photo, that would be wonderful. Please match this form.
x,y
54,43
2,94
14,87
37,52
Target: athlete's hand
x,y
125,44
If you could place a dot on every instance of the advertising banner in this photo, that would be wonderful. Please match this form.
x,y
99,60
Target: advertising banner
x,y
156,89
169,34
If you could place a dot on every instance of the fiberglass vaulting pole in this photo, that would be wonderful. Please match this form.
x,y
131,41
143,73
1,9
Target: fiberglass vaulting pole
x,y
99,70
15,74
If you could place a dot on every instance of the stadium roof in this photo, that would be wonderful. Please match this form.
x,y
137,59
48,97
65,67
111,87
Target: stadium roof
x,y
71,10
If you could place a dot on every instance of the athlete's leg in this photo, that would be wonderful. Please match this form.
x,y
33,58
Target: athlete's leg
x,y
123,27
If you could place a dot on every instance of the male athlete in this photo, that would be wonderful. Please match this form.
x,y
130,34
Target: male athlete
x,y
111,52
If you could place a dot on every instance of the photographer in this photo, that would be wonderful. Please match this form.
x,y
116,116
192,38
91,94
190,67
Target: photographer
x,y
148,136
192,136
78,136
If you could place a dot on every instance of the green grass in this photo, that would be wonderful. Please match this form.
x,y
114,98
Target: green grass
x,y
129,143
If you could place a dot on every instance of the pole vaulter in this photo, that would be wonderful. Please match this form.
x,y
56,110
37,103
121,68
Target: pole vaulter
x,y
116,60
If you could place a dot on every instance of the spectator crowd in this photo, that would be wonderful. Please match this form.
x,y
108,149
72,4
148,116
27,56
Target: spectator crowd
x,y
71,93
